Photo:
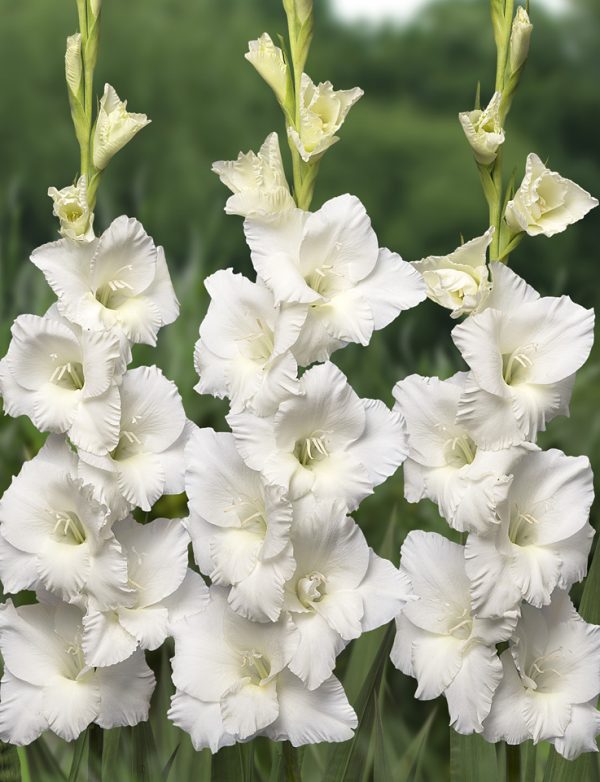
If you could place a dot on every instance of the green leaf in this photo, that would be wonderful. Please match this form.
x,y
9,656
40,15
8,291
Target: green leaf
x,y
472,759
227,765
144,762
10,764
342,766
78,752
410,762
381,771
110,753
169,764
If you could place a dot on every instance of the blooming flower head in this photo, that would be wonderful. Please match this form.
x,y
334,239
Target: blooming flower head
x,y
550,682
72,209
233,683
322,113
328,442
244,348
239,526
148,458
257,181
269,62
65,379
49,514
339,589
164,590
459,281
484,131
47,684
439,640
120,281
543,539
331,263
546,203
114,128
523,352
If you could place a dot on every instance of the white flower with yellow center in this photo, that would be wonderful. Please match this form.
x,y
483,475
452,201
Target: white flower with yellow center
x,y
551,681
546,203
114,127
244,348
439,640
257,181
72,209
523,352
119,280
484,131
322,113
459,281
331,263
232,683
48,686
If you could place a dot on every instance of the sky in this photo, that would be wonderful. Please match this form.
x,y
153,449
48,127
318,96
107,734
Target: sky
x,y
401,10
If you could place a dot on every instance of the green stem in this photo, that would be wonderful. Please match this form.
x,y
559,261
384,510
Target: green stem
x,y
291,765
95,752
24,763
513,763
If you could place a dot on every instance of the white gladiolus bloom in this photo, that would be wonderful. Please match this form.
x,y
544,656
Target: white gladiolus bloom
x,y
114,128
164,591
327,443
459,281
269,62
148,459
340,589
244,347
119,280
546,203
544,537
232,683
50,515
65,379
72,209
439,640
551,681
523,352
238,525
257,181
330,261
444,464
484,130
47,685
322,113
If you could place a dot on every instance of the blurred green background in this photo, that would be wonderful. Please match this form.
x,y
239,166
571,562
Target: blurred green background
x,y
402,153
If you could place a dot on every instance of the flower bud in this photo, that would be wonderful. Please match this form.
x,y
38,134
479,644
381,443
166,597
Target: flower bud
x,y
269,62
484,131
304,9
115,127
71,208
95,7
73,64
322,113
520,37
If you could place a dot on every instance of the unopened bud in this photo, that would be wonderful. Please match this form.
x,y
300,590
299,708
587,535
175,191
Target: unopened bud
x,y
520,37
95,7
304,9
269,62
73,64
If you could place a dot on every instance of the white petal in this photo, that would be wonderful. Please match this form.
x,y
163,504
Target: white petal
x,y
125,691
437,660
201,720
506,720
314,659
66,267
105,641
124,252
161,291
95,425
581,732
149,625
546,714
384,591
247,708
382,447
71,704
18,569
259,596
348,317
141,479
493,588
509,291
21,714
470,694
189,599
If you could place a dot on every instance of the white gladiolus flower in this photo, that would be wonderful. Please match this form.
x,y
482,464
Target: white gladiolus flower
x,y
257,181
546,203
65,379
148,459
484,131
72,209
232,683
523,352
269,62
459,281
114,128
439,640
444,464
551,681
340,589
322,113
244,347
164,591
544,537
47,685
50,515
328,442
119,280
238,525
330,261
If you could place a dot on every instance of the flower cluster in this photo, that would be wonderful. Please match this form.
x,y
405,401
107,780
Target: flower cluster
x,y
108,587
524,511
293,578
